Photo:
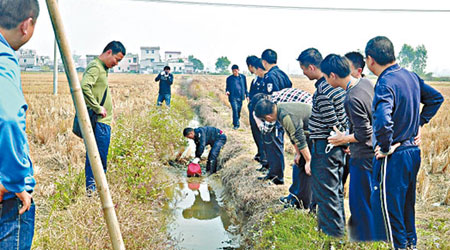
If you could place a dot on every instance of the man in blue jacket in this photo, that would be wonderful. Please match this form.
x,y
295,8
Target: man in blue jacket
x,y
165,79
236,90
397,120
202,137
17,209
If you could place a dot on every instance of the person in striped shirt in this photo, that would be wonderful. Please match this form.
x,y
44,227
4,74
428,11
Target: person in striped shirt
x,y
327,163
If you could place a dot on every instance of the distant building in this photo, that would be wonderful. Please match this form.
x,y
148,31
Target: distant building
x,y
27,59
172,55
150,53
129,64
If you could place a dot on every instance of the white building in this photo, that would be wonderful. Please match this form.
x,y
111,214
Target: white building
x,y
27,58
151,53
172,55
128,64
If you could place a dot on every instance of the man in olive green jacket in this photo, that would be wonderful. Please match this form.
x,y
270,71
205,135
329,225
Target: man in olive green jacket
x,y
96,92
294,117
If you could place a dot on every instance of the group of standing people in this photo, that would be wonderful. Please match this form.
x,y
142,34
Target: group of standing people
x,y
376,126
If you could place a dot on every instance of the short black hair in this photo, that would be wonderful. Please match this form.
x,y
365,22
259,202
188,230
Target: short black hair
x,y
166,67
234,67
310,56
115,47
264,107
13,12
258,97
270,56
381,49
250,60
187,130
336,64
357,59
257,63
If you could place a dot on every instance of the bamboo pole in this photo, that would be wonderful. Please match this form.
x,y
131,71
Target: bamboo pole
x,y
86,128
55,68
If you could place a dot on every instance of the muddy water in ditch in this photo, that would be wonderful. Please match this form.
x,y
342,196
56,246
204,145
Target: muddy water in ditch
x,y
201,219
201,215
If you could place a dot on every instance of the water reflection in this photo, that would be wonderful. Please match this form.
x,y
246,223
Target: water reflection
x,y
201,221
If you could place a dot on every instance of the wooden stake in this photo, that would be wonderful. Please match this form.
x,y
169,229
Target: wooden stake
x,y
86,128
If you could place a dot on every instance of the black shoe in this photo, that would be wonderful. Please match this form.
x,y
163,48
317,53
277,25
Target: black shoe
x,y
235,127
263,178
257,158
277,181
261,169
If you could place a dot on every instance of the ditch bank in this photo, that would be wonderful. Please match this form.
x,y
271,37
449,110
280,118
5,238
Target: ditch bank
x,y
251,199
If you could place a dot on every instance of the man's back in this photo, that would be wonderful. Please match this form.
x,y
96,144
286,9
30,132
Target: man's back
x,y
275,80
396,106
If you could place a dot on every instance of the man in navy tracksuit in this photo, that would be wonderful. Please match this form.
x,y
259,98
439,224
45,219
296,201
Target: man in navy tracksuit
x,y
396,126
237,91
257,86
274,80
203,136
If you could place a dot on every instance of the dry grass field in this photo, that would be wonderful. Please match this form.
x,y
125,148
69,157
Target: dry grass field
x,y
145,137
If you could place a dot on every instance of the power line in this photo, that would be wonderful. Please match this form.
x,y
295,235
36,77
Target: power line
x,y
282,7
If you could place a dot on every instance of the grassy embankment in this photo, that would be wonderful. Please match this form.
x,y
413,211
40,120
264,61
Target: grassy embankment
x,y
267,225
143,139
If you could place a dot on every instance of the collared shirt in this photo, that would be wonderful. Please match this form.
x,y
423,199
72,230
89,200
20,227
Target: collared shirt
x,y
275,80
257,86
327,111
205,136
237,86
16,168
396,106
284,95
94,84
165,81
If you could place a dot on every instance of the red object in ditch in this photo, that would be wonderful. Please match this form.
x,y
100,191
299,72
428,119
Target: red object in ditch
x,y
194,170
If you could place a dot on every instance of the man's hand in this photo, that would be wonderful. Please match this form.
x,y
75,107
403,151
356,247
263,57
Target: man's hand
x,y
379,154
25,197
103,112
2,191
308,168
297,159
248,99
347,151
228,93
338,139
418,139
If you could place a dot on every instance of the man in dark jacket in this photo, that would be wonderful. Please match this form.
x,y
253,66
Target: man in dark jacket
x,y
165,79
237,91
203,136
397,118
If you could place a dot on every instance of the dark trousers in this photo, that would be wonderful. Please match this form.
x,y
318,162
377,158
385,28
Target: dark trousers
x,y
214,153
346,169
328,191
361,222
257,136
236,106
274,149
16,231
394,196
300,190
102,134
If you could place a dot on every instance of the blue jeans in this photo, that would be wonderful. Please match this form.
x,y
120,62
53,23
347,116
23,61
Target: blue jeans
x,y
163,97
16,231
102,134
274,149
236,106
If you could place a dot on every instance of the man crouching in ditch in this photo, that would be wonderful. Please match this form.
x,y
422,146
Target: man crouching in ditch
x,y
203,136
